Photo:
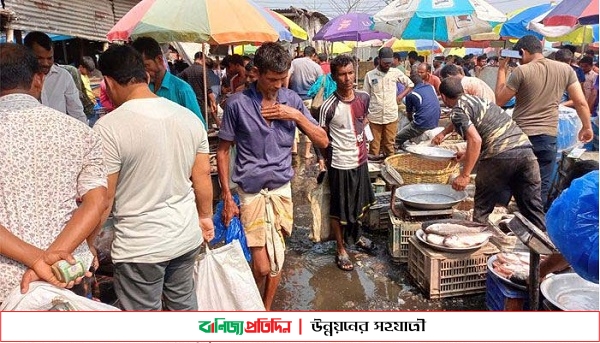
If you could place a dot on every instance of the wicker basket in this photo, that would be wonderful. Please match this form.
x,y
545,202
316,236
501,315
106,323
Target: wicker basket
x,y
415,169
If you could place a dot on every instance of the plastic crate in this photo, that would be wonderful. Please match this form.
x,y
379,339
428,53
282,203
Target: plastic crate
x,y
399,233
442,275
501,297
378,214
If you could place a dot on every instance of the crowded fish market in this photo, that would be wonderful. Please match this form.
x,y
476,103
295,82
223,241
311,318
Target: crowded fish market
x,y
237,155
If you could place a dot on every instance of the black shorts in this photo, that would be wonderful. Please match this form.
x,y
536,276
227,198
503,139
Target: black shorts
x,y
351,193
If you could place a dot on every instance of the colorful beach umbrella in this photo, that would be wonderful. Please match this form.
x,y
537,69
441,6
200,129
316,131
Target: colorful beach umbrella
x,y
419,45
340,48
349,27
517,24
570,13
298,33
216,22
438,20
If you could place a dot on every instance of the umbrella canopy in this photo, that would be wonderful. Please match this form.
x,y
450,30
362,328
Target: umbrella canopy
x,y
418,45
340,48
516,25
438,20
298,33
569,13
350,27
213,21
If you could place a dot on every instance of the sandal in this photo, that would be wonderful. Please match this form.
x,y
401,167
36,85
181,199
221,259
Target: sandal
x,y
366,245
321,176
343,262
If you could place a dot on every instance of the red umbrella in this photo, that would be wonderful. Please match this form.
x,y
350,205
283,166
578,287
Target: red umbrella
x,y
570,13
123,28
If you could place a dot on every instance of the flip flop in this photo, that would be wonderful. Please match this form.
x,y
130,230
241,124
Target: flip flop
x,y
366,245
343,262
321,176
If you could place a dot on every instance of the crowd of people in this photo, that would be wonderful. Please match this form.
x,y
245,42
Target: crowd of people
x,y
147,163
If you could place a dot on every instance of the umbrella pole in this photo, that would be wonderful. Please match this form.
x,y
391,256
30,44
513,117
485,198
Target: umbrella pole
x,y
206,107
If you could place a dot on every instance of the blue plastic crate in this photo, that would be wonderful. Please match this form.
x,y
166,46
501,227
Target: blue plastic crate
x,y
501,297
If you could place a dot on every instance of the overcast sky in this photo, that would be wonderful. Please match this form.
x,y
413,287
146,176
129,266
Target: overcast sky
x,y
333,8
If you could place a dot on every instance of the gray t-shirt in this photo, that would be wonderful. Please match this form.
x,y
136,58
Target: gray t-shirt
x,y
303,73
152,143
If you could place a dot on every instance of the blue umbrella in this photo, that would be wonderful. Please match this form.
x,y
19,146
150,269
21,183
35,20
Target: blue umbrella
x,y
516,25
438,20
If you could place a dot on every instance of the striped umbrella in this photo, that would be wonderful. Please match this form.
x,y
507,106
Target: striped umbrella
x,y
423,46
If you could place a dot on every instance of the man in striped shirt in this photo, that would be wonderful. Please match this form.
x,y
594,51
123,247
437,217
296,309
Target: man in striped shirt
x,y
344,115
506,160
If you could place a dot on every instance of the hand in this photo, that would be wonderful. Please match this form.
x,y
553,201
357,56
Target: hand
x,y
41,270
230,210
586,135
461,182
208,228
281,112
502,62
459,155
438,139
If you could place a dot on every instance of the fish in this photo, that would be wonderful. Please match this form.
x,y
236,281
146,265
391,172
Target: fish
x,y
448,229
466,240
519,277
435,239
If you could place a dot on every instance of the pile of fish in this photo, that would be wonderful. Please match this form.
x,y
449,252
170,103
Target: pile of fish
x,y
455,235
513,267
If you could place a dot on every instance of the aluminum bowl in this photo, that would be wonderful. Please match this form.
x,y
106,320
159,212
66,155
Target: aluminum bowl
x,y
430,196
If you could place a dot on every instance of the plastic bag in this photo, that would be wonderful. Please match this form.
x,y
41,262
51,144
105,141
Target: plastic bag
x,y
40,297
319,205
224,281
572,223
235,230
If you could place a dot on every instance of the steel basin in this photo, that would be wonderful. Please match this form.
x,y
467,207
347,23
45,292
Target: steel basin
x,y
570,292
430,196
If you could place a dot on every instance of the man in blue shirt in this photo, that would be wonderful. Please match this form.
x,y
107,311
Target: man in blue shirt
x,y
261,122
422,108
162,82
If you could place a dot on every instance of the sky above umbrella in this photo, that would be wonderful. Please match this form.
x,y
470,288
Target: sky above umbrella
x,y
330,7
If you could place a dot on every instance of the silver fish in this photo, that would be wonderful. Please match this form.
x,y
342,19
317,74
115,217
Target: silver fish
x,y
466,240
447,229
435,239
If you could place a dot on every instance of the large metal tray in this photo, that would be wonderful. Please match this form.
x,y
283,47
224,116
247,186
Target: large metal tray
x,y
430,196
430,152
420,234
570,292
490,266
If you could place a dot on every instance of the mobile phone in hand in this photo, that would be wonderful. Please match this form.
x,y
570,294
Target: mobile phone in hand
x,y
510,53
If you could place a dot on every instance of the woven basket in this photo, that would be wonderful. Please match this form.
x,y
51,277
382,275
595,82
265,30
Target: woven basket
x,y
415,169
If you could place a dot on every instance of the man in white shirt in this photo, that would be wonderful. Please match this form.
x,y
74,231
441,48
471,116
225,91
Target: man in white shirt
x,y
381,84
59,91
156,152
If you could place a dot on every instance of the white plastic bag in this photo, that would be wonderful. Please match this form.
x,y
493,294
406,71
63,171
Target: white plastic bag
x,y
40,296
224,281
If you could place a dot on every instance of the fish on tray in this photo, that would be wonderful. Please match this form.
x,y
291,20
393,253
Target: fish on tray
x,y
466,240
448,229
513,267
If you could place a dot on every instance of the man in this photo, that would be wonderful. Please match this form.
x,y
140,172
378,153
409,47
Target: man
x,y
538,84
506,160
162,82
304,72
413,60
480,64
59,92
86,68
159,188
324,63
236,72
194,75
424,71
380,84
261,122
587,65
398,62
343,115
471,85
422,108
437,67
48,161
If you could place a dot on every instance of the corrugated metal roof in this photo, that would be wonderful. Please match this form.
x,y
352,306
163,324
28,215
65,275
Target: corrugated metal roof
x,y
79,18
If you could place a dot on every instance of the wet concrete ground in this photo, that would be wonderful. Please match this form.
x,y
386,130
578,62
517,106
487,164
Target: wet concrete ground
x,y
312,281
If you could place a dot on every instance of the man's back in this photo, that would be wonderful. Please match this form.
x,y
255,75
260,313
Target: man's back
x,y
303,73
425,106
152,144
194,75
48,160
477,87
539,86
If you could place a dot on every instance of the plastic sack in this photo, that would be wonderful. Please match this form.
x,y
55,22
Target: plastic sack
x,y
235,230
569,125
319,205
224,281
572,223
40,297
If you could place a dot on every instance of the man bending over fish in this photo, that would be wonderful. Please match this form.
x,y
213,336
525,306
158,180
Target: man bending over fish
x,y
506,159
